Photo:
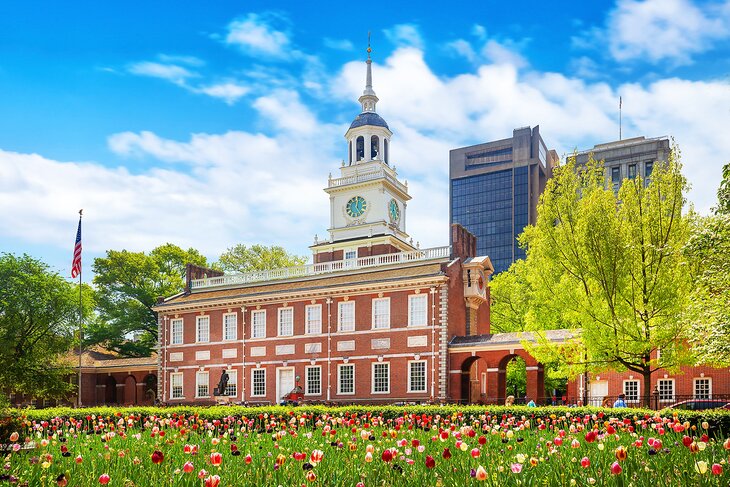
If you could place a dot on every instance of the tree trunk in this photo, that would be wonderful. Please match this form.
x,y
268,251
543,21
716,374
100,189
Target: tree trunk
x,y
646,393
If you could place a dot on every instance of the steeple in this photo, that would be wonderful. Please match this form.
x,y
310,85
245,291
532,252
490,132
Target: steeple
x,y
368,98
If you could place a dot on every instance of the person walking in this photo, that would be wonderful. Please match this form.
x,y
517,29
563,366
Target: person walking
x,y
620,402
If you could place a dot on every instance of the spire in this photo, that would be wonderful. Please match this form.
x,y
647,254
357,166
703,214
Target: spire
x,y
368,98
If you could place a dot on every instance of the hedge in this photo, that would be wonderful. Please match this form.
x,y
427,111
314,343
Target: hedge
x,y
718,420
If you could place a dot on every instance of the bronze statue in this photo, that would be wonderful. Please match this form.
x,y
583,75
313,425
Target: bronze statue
x,y
222,385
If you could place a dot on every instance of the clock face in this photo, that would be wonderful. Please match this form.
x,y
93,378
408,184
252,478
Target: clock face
x,y
481,281
356,206
393,211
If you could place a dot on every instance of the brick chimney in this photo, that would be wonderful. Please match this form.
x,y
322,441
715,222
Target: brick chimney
x,y
463,242
193,271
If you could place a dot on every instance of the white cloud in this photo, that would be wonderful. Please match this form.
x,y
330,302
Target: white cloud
x,y
660,30
170,72
229,91
255,35
284,109
339,44
405,35
479,31
462,48
499,53
188,60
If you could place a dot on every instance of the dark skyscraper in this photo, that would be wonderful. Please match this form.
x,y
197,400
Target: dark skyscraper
x,y
494,190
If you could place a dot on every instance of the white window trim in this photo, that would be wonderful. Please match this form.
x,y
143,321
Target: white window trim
x,y
638,390
420,297
339,381
182,386
339,315
253,380
372,378
306,318
231,374
278,321
387,325
262,312
173,322
694,386
306,380
674,390
197,384
425,376
197,328
235,327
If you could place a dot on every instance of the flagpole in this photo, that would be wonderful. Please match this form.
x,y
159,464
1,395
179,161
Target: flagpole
x,y
81,319
620,121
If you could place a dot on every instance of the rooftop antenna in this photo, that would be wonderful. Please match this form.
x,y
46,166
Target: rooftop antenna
x,y
620,120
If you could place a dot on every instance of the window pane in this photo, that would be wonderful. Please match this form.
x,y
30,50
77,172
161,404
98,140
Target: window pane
x,y
417,310
314,319
346,379
631,390
230,324
346,318
666,389
201,382
286,321
258,324
176,385
381,313
203,334
417,376
232,387
314,380
703,389
259,382
177,332
381,377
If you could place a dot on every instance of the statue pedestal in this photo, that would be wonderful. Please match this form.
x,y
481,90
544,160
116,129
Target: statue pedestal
x,y
223,400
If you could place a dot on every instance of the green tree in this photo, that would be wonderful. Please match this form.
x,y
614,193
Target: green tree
x,y
128,285
612,264
39,312
240,258
709,250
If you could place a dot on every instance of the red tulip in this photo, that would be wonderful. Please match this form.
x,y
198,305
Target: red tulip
x,y
216,459
188,467
482,440
212,481
430,462
716,469
686,441
475,452
387,455
248,459
585,462
104,479
616,468
446,454
316,456
591,436
157,457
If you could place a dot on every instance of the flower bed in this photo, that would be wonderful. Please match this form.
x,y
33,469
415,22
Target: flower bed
x,y
364,446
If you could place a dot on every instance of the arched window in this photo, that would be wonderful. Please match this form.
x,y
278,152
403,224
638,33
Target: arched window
x,y
385,150
374,147
360,148
349,152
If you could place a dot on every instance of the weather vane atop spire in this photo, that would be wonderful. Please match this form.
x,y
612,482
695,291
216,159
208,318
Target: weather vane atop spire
x,y
369,49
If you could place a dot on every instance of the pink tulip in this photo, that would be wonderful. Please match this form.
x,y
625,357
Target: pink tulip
x,y
188,467
516,467
616,468
585,462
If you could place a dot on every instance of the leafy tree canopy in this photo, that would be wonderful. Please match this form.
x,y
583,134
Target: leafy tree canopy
x,y
240,258
39,313
128,285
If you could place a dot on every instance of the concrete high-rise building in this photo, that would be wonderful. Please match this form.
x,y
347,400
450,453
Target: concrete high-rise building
x,y
628,158
494,191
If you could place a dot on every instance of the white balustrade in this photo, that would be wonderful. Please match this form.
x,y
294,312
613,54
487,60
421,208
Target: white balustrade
x,y
323,268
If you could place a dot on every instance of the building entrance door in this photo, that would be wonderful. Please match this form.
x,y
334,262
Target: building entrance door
x,y
284,382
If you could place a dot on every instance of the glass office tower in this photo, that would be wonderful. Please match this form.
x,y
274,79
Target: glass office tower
x,y
495,188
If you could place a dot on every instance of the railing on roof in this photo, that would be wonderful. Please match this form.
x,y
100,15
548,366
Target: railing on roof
x,y
367,176
323,268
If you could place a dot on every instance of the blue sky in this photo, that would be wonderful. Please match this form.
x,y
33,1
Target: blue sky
x,y
207,124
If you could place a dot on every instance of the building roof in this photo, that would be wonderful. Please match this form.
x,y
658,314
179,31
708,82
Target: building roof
x,y
99,358
510,338
369,118
361,277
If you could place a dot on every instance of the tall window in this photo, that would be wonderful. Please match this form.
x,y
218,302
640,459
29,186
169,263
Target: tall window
x,y
703,388
631,390
286,322
632,171
349,152
616,177
258,324
346,379
666,389
230,326
203,329
313,319
346,316
381,377
381,313
374,147
360,148
648,167
176,385
258,382
314,380
176,332
385,150
232,387
201,384
417,310
417,376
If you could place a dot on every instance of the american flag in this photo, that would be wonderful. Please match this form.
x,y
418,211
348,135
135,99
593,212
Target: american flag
x,y
76,264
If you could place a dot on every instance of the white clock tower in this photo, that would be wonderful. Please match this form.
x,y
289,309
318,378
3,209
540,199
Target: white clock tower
x,y
367,201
